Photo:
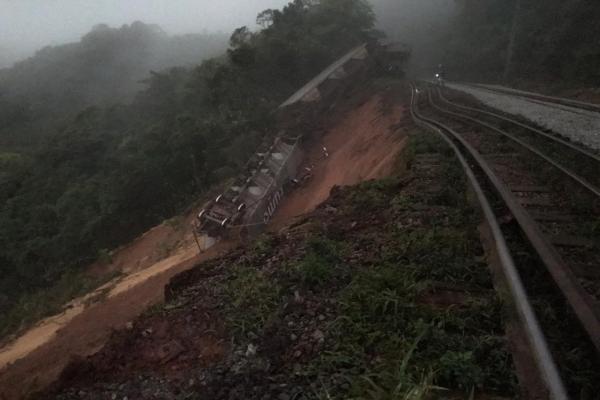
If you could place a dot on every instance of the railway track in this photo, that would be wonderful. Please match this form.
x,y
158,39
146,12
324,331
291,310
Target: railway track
x,y
574,156
540,98
548,188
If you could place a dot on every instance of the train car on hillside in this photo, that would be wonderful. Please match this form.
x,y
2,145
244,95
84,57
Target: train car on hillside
x,y
392,57
249,203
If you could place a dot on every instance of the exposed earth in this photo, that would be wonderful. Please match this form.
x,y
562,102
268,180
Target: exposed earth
x,y
37,357
362,146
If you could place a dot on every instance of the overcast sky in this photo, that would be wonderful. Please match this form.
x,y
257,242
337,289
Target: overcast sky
x,y
28,25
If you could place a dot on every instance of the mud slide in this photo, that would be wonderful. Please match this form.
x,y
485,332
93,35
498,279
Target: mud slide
x,y
362,145
38,357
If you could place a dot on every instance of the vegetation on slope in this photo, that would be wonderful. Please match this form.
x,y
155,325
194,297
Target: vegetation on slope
x,y
113,171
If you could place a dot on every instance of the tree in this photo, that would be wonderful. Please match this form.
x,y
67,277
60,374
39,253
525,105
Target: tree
x,y
511,41
265,18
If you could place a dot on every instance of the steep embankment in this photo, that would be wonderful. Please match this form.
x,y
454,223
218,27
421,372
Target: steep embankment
x,y
363,138
380,291
362,146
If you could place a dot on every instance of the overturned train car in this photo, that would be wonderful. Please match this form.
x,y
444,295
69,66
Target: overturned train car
x,y
251,201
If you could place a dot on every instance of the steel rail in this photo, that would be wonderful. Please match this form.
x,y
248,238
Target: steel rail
x,y
522,125
541,352
540,98
582,304
567,172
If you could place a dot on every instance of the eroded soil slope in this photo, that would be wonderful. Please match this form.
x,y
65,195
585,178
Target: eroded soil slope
x,y
363,145
381,292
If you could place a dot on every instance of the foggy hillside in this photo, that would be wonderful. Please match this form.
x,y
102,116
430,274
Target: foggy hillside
x,y
106,66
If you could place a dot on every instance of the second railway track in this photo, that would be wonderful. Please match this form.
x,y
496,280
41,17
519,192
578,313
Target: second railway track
x,y
547,188
540,98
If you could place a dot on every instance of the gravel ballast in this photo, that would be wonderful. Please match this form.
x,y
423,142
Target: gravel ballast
x,y
580,126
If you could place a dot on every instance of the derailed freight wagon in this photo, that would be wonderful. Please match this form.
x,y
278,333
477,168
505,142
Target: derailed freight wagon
x,y
251,201
248,205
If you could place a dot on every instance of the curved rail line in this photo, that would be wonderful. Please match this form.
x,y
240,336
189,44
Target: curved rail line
x,y
537,341
584,306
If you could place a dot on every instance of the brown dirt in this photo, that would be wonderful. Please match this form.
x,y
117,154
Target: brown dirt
x,y
86,332
362,146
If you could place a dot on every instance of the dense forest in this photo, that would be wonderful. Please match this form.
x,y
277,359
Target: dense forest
x,y
554,40
103,176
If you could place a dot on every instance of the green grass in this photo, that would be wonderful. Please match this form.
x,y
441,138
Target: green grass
x,y
263,244
387,343
252,300
321,262
372,195
380,320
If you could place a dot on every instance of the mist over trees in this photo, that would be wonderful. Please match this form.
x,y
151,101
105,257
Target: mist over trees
x,y
107,66
101,139
8,55
112,171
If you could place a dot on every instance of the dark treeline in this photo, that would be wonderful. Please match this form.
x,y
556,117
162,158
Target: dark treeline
x,y
555,40
112,171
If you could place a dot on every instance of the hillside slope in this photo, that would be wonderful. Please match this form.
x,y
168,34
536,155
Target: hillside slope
x,y
106,67
111,172
37,358
380,290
